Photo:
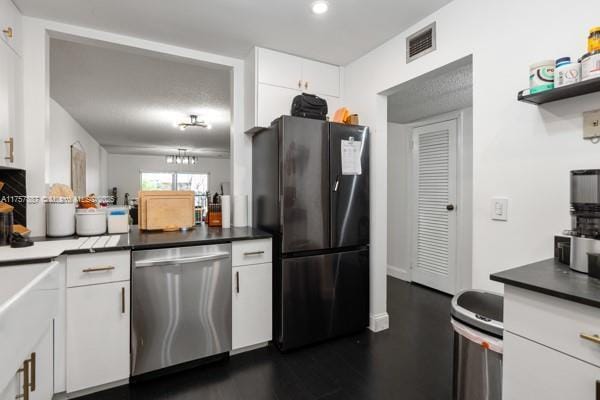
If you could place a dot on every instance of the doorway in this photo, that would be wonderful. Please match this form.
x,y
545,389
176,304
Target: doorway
x,y
430,179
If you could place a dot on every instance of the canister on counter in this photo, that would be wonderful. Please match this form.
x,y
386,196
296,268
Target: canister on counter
x,y
541,76
594,40
590,65
566,72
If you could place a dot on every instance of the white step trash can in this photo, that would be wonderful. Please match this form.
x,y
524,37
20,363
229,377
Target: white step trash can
x,y
477,319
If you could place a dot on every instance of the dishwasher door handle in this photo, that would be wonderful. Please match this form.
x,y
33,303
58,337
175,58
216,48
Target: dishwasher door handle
x,y
184,260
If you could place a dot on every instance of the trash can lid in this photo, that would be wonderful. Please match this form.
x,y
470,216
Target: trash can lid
x,y
480,309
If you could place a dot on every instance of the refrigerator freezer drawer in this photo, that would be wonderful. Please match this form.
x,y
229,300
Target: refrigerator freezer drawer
x,y
323,296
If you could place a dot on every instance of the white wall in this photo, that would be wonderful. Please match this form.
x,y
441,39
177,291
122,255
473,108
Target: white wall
x,y
36,33
124,171
399,219
64,131
520,151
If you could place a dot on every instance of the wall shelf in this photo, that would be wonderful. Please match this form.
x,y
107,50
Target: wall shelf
x,y
564,92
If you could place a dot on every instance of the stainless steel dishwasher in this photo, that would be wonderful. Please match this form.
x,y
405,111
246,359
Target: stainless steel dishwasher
x,y
181,306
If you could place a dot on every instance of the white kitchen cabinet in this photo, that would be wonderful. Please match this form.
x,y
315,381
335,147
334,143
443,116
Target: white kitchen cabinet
x,y
279,69
11,143
533,371
252,305
273,102
276,78
39,364
97,344
320,78
10,25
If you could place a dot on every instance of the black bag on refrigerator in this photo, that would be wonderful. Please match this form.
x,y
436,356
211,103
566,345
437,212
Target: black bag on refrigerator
x,y
309,106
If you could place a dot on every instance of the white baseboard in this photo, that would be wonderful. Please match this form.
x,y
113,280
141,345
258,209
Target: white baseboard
x,y
249,348
399,273
379,322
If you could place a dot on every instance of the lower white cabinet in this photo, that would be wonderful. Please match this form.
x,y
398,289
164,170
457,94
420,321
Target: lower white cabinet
x,y
36,375
252,305
97,335
533,371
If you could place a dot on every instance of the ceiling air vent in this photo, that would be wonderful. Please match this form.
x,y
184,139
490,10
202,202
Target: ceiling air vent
x,y
420,43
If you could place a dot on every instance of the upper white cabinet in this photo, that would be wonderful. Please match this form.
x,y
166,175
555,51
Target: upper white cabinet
x,y
279,69
274,79
10,25
320,78
11,143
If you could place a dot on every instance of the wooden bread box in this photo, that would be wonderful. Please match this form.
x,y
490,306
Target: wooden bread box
x,y
166,210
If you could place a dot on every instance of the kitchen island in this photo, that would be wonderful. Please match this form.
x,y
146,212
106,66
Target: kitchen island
x,y
551,333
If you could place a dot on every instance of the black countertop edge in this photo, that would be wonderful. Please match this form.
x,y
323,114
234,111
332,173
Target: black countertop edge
x,y
97,250
25,261
552,278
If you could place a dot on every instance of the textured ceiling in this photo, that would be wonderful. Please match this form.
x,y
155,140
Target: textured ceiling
x,y
232,27
447,89
128,101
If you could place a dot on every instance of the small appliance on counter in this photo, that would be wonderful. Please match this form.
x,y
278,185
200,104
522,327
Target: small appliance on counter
x,y
6,223
585,222
118,220
90,221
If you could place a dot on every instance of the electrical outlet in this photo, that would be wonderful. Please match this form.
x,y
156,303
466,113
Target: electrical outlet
x,y
591,124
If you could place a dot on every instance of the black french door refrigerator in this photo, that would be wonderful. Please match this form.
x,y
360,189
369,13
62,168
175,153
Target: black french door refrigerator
x,y
311,191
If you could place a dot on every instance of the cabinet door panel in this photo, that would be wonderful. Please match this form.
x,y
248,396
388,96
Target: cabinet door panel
x,y
279,69
252,305
97,335
533,371
5,84
320,78
10,18
273,102
44,368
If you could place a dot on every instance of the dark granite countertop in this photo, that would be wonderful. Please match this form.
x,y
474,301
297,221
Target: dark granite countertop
x,y
200,235
554,279
137,240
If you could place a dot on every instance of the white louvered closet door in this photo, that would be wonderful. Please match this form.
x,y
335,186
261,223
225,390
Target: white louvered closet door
x,y
435,182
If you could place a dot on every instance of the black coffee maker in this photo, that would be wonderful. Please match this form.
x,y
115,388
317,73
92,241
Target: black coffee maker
x,y
585,221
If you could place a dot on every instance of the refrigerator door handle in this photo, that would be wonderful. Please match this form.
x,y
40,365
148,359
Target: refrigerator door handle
x,y
337,184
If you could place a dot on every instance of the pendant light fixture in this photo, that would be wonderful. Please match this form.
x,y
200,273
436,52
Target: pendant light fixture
x,y
194,122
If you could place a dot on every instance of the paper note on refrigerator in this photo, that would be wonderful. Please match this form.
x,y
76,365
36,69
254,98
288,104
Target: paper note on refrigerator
x,y
351,157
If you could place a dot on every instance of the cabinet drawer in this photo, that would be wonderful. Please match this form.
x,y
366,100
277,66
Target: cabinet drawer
x,y
532,371
92,269
251,252
553,322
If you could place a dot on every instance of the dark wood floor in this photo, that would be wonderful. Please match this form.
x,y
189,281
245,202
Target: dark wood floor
x,y
410,361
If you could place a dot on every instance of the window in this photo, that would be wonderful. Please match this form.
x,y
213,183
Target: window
x,y
156,181
174,181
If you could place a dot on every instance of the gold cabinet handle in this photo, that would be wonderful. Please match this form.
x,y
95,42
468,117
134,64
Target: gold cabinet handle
x,y
26,380
306,85
300,84
11,150
591,338
99,269
32,372
8,32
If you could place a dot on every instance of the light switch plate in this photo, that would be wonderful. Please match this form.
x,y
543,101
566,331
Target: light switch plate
x,y
499,209
591,124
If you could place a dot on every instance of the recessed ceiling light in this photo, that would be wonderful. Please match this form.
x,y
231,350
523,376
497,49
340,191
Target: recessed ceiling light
x,y
320,7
